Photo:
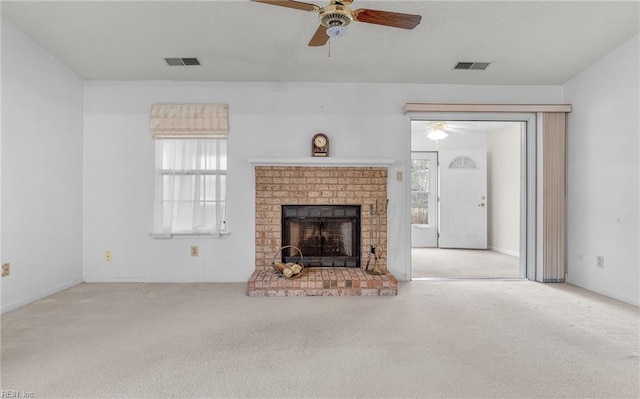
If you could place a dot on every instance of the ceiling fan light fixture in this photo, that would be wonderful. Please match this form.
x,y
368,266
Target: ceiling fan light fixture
x,y
337,31
436,135
437,131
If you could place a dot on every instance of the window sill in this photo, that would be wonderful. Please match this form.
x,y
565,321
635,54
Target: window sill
x,y
190,236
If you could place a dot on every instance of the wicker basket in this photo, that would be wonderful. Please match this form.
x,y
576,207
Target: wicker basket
x,y
287,270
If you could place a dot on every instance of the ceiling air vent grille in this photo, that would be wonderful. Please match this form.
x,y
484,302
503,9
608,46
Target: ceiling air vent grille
x,y
478,66
182,61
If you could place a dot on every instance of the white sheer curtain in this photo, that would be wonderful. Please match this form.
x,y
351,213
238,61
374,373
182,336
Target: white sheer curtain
x,y
191,168
190,187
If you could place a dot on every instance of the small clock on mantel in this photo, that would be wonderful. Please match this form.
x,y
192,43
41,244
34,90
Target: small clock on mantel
x,y
320,145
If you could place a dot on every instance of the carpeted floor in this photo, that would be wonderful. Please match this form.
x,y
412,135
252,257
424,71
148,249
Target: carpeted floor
x,y
463,263
473,339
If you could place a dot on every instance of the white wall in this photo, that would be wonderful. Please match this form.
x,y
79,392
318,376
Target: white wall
x,y
503,156
41,172
603,178
266,119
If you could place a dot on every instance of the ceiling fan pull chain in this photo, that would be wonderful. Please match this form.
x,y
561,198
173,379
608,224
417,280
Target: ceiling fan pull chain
x,y
329,49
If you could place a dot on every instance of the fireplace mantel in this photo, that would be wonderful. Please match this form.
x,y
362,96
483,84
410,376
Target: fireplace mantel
x,y
321,161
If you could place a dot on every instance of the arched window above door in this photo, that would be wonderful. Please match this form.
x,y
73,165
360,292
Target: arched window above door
x,y
463,162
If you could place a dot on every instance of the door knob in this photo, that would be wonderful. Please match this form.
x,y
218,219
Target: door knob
x,y
482,204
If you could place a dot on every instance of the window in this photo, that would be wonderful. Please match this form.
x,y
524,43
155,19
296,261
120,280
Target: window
x,y
191,169
463,163
420,191
191,177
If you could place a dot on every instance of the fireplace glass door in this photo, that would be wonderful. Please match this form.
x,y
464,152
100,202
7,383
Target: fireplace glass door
x,y
327,235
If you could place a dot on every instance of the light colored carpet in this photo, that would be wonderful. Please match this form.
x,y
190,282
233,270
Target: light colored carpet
x,y
435,339
463,263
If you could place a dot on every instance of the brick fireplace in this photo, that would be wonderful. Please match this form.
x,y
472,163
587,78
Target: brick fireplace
x,y
318,185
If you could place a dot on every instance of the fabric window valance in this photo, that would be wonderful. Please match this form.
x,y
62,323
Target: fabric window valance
x,y
189,121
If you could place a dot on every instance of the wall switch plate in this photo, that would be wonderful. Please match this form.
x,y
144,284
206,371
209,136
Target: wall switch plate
x,y
399,175
107,256
5,269
194,250
600,261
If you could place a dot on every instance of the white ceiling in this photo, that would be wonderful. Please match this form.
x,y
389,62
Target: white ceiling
x,y
536,42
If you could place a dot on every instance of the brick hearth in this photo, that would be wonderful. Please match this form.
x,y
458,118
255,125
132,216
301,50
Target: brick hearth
x,y
322,281
317,185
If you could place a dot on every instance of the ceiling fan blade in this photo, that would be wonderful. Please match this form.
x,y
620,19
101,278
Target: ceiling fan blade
x,y
298,5
386,18
319,38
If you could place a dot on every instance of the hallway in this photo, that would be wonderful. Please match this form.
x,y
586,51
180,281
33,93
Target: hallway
x,y
463,263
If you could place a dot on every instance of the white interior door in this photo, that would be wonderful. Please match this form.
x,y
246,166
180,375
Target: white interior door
x,y
463,199
424,199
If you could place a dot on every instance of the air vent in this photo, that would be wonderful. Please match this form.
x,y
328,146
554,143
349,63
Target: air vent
x,y
193,61
182,61
478,66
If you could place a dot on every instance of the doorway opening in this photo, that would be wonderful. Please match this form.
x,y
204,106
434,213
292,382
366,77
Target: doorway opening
x,y
468,185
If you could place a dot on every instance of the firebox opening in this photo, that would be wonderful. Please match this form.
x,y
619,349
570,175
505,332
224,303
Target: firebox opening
x,y
327,235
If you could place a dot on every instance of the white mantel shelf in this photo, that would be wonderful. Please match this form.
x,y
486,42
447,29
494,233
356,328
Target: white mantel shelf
x,y
322,161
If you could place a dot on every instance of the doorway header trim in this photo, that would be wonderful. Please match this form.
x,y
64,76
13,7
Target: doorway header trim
x,y
440,107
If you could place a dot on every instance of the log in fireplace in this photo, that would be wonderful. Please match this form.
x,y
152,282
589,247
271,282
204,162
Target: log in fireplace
x,y
327,235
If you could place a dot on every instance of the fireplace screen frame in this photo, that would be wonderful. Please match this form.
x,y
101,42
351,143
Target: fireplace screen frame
x,y
320,214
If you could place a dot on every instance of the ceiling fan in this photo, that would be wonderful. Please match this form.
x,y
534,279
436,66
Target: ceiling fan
x,y
335,17
438,130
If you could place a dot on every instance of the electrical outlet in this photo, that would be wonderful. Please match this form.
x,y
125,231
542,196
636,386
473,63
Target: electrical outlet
x,y
600,261
107,256
194,250
580,257
5,269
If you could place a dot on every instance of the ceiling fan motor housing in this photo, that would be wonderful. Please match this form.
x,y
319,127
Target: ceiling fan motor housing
x,y
335,15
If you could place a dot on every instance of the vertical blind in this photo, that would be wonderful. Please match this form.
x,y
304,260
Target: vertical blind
x,y
554,206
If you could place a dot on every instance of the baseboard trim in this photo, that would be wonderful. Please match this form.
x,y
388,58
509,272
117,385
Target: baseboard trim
x,y
40,295
90,279
505,251
635,301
